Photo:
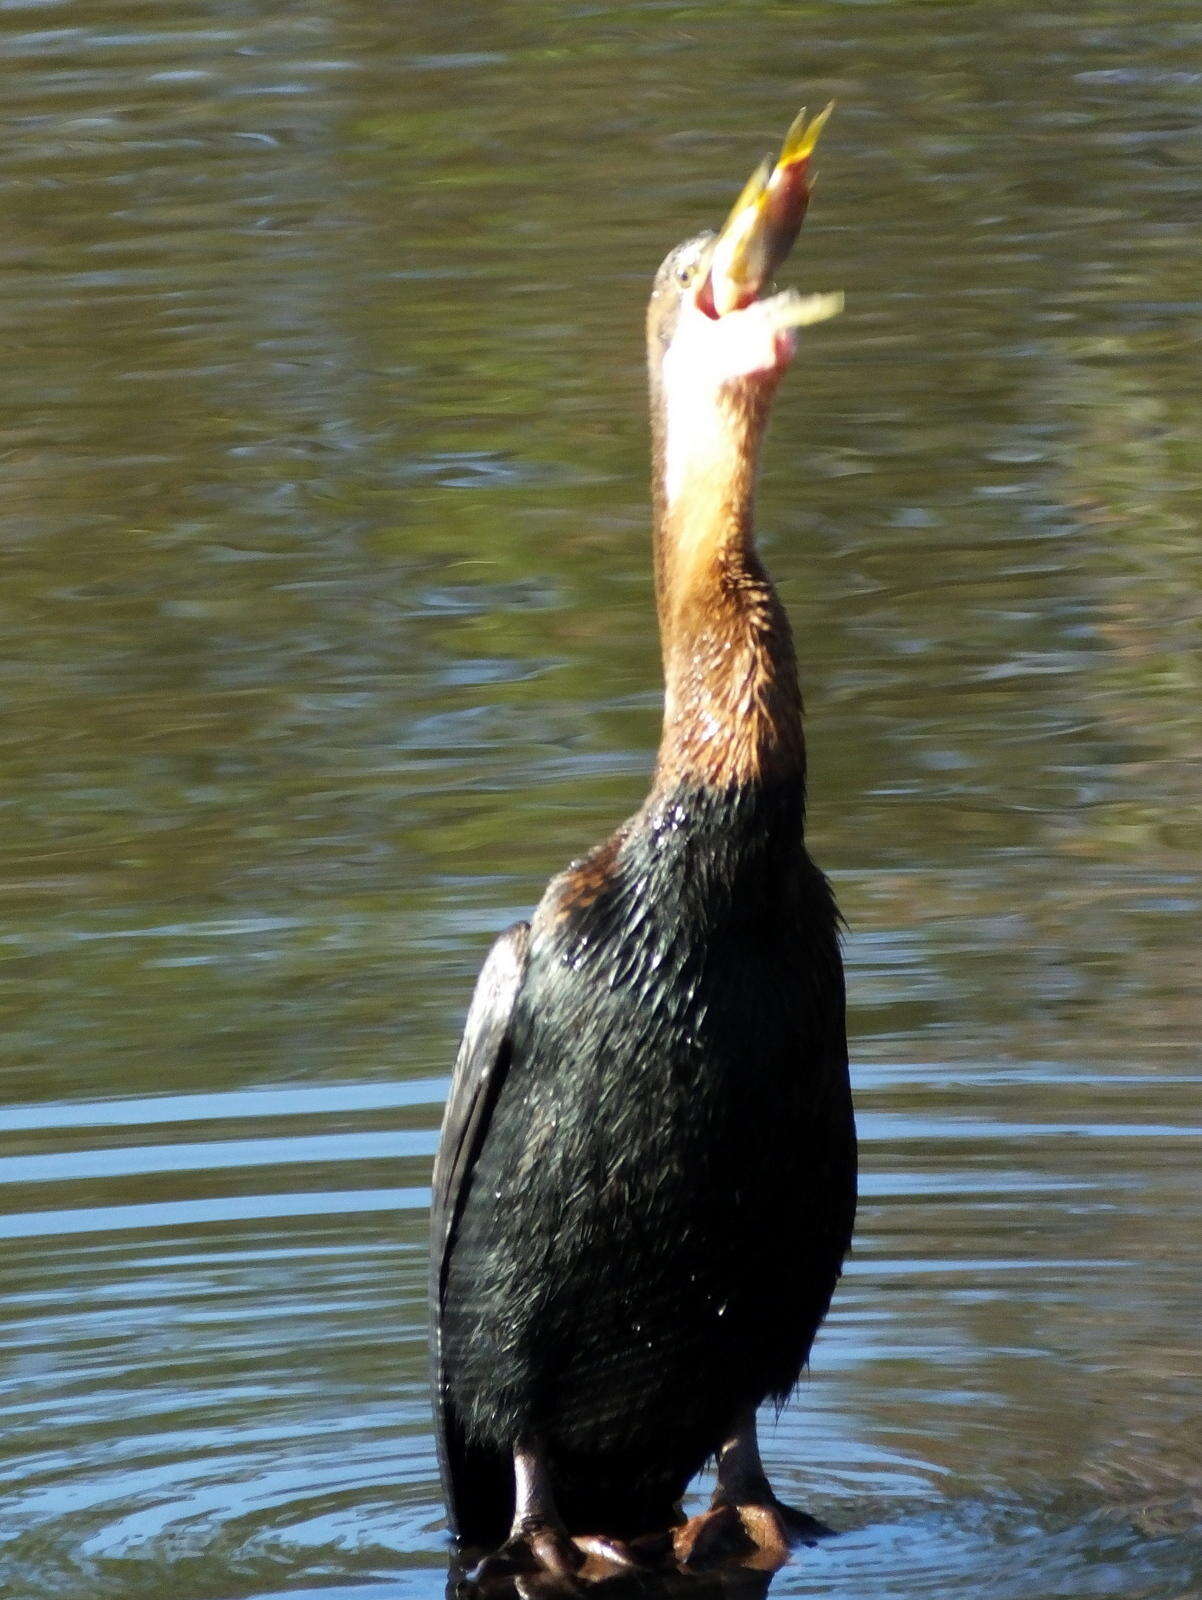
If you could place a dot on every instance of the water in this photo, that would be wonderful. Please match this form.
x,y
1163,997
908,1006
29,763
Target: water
x,y
326,638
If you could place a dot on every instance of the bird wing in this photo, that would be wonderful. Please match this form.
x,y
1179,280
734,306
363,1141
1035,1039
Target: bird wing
x,y
480,1070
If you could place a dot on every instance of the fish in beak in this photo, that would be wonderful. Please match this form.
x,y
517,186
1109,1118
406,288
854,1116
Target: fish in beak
x,y
765,220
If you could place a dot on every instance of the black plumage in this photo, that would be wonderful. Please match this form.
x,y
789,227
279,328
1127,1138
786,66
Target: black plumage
x,y
656,1219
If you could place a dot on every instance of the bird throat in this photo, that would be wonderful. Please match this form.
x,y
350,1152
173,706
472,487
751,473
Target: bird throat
x,y
732,707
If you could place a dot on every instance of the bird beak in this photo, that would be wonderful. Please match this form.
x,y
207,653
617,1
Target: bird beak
x,y
761,229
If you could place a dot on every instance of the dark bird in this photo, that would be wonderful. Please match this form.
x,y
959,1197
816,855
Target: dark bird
x,y
645,1185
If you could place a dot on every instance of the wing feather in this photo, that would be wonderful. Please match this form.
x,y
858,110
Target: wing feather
x,y
480,1070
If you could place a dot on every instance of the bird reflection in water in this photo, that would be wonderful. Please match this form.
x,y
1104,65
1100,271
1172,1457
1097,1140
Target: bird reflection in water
x,y
645,1184
729,1583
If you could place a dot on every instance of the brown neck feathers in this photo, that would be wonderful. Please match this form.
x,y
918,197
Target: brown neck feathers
x,y
732,707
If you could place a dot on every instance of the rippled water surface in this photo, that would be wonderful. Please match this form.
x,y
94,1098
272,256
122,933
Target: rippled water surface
x,y
325,636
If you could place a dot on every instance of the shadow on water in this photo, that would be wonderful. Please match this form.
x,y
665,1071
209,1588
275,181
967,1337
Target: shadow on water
x,y
326,636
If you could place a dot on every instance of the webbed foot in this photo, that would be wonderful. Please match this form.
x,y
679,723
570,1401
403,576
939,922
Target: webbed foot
x,y
536,1546
542,1558
746,1525
758,1534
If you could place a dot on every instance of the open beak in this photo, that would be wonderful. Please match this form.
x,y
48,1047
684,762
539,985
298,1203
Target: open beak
x,y
766,219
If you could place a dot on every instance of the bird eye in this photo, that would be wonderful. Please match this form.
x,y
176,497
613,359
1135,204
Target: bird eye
x,y
684,275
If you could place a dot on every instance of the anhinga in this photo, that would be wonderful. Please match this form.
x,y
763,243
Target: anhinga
x,y
645,1186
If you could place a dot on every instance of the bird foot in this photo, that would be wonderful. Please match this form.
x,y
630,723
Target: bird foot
x,y
533,1547
755,1534
544,1550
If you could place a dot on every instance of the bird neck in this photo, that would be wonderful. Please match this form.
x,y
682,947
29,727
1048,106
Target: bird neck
x,y
732,706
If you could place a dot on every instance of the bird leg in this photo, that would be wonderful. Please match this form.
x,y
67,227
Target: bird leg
x,y
539,1542
745,1521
